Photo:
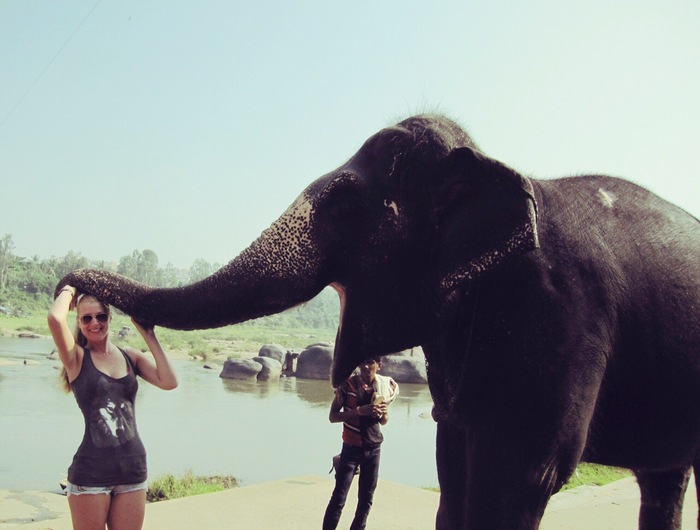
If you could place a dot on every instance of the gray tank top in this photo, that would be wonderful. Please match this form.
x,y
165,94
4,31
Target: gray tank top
x,y
111,452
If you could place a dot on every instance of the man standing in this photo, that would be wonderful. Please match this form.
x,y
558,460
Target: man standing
x,y
362,404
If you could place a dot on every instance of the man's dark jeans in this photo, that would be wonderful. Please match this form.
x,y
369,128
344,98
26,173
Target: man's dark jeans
x,y
351,457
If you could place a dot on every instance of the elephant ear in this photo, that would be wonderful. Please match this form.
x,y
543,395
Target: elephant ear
x,y
484,213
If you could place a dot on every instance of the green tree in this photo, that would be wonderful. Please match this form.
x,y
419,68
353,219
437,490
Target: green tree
x,y
101,264
6,258
147,268
68,263
200,269
34,276
127,265
141,266
169,276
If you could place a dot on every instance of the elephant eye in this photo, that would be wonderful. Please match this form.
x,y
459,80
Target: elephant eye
x,y
348,206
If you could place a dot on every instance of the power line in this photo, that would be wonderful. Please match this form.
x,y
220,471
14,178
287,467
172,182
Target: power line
x,y
45,69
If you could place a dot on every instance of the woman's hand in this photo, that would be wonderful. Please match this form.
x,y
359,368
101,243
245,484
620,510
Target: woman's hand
x,y
67,292
143,328
61,332
156,370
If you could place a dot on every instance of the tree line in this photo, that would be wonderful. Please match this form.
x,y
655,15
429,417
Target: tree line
x,y
27,284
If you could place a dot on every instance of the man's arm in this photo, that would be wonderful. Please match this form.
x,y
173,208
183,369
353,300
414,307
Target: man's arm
x,y
382,412
336,415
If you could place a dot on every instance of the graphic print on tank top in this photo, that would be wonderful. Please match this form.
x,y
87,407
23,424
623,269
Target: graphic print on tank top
x,y
113,422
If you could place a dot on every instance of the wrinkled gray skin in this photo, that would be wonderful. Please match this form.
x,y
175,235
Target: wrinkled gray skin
x,y
559,318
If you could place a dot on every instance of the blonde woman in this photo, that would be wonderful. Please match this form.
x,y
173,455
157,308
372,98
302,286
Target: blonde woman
x,y
107,478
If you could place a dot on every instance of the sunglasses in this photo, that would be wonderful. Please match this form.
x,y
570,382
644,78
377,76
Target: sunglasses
x,y
100,317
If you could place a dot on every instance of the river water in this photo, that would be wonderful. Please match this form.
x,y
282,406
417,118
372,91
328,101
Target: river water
x,y
256,432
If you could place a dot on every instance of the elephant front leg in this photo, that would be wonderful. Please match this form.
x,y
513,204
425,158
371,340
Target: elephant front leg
x,y
663,493
451,458
486,485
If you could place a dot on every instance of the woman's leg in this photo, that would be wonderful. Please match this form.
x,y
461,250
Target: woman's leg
x,y
89,511
127,511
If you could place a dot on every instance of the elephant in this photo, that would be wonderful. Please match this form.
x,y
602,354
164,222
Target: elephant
x,y
558,317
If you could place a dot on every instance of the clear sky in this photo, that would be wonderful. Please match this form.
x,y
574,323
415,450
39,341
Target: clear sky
x,y
186,127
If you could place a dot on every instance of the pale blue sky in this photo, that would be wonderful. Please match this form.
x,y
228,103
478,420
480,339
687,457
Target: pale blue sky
x,y
188,127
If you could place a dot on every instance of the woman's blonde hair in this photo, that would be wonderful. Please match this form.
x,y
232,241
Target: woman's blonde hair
x,y
80,339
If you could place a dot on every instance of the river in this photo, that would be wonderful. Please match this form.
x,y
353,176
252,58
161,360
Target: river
x,y
256,432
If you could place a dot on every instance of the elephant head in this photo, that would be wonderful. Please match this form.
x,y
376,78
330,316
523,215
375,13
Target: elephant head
x,y
417,212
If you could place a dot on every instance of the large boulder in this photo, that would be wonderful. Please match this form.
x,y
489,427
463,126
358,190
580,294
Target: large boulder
x,y
271,368
315,362
404,369
407,366
273,351
29,335
241,369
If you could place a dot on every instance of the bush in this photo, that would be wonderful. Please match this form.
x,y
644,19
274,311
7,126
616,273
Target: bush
x,y
169,486
200,353
595,475
586,475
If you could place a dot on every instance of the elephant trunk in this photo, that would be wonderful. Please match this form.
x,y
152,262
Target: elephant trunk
x,y
279,270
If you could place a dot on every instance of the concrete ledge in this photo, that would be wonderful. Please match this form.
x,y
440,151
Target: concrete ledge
x,y
298,504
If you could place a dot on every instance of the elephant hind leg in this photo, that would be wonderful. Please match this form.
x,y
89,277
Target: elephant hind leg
x,y
662,498
696,472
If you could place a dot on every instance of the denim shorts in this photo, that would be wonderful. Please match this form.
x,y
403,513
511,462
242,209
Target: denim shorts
x,y
74,489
